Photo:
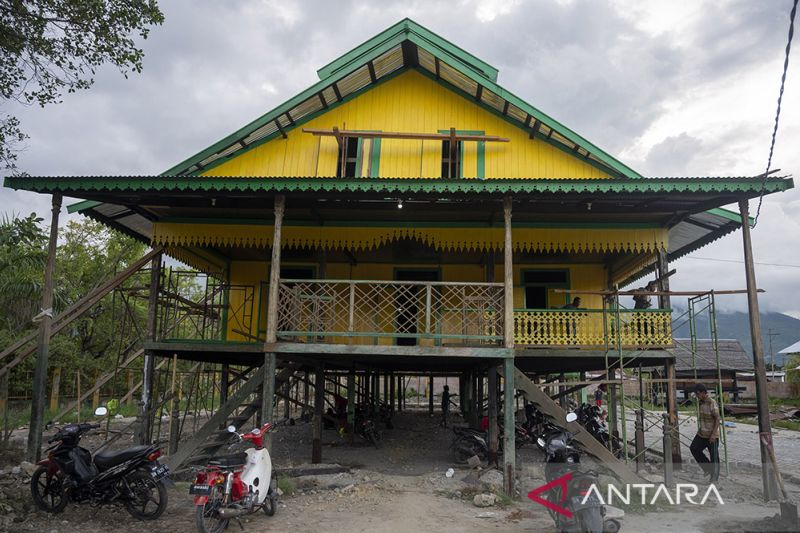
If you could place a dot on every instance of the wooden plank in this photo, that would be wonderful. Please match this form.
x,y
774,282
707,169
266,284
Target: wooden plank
x,y
319,405
508,277
272,311
75,310
403,135
388,351
217,419
557,415
509,427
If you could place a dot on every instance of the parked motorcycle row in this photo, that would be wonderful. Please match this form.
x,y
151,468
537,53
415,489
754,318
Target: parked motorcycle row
x,y
561,458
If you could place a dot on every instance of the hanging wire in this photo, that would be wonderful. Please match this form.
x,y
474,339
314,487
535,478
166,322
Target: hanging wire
x,y
778,112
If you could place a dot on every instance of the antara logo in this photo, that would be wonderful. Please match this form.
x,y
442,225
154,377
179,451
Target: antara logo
x,y
649,494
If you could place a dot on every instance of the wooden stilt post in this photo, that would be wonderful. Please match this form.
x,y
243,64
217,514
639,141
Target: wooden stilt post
x,y
672,412
430,395
509,457
391,391
148,371
768,475
319,410
479,396
55,389
270,361
43,343
493,414
469,398
351,404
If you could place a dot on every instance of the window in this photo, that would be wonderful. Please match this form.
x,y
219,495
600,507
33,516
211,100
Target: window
x,y
347,162
539,285
451,160
359,158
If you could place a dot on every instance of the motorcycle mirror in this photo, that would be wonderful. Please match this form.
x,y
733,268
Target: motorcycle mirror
x,y
231,429
256,431
100,411
571,417
540,442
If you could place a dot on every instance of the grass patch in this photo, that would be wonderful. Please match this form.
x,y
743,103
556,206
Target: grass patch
x,y
504,500
286,485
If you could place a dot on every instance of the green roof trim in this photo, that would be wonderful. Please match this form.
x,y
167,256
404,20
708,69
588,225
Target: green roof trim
x,y
81,206
405,27
733,216
405,31
422,186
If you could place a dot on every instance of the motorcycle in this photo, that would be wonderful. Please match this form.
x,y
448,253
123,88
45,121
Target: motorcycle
x,y
586,510
132,477
467,443
590,417
365,427
235,485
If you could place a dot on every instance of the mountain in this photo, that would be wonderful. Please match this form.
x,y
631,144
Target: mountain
x,y
736,325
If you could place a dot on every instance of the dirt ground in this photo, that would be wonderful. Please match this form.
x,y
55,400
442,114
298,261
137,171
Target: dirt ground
x,y
402,486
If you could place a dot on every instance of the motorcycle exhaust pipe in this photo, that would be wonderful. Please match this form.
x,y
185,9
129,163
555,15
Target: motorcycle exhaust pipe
x,y
227,513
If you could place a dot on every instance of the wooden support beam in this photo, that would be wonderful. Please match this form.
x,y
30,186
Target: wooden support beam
x,y
148,371
508,277
479,92
509,426
373,78
769,476
535,130
335,88
322,100
289,118
430,395
75,311
493,440
270,360
280,128
55,388
351,404
505,108
436,67
319,406
336,132
43,344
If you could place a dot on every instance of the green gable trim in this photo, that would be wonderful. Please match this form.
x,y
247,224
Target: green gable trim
x,y
407,30
361,53
411,185
81,206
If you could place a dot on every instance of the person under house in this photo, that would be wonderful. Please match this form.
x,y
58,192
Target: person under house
x,y
707,434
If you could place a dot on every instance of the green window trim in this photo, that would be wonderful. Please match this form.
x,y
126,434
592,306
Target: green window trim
x,y
480,171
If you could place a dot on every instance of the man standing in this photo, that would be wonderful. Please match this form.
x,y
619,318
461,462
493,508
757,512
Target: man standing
x,y
707,434
445,405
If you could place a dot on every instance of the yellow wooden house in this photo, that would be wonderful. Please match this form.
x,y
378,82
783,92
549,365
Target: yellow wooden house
x,y
427,220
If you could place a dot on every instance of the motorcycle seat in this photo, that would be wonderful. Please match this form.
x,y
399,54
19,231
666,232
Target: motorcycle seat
x,y
236,459
107,459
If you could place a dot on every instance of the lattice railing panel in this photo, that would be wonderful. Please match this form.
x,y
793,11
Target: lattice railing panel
x,y
315,309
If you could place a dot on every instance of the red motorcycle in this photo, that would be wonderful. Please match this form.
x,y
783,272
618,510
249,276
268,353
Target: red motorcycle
x,y
234,485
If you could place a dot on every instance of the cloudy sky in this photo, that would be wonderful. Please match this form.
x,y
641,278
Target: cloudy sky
x,y
671,88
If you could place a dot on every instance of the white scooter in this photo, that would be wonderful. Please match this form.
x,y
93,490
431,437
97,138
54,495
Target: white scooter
x,y
232,486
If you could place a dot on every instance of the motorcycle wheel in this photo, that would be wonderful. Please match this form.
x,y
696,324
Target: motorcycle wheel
x,y
149,496
48,493
270,505
591,520
206,516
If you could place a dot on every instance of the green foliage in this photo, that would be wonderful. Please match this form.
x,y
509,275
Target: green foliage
x,y
286,485
49,47
793,376
23,253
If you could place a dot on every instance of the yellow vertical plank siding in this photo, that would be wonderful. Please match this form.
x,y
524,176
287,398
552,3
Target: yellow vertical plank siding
x,y
410,103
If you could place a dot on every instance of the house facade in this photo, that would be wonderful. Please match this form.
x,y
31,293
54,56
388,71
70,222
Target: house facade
x,y
408,214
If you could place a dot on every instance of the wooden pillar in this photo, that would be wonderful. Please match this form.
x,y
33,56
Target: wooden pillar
x,y
351,403
509,457
479,396
55,389
469,395
270,361
224,384
768,475
612,410
430,395
43,342
319,411
286,403
391,391
562,398
96,393
672,413
305,388
148,370
493,414
663,268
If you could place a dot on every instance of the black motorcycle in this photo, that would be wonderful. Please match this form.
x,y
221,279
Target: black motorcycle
x,y
562,458
365,427
132,477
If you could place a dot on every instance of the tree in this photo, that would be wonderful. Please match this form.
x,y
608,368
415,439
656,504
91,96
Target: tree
x,y
23,253
49,47
792,375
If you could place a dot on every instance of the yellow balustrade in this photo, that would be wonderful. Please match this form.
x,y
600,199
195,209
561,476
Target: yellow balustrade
x,y
587,328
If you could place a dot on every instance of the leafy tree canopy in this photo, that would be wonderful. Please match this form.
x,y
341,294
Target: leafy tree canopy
x,y
48,47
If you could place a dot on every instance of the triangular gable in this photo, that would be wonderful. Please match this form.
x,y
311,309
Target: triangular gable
x,y
403,46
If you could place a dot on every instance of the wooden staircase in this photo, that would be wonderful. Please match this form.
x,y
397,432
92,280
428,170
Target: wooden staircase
x,y
557,415
241,406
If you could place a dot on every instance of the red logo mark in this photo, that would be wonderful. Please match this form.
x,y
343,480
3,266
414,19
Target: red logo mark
x,y
558,482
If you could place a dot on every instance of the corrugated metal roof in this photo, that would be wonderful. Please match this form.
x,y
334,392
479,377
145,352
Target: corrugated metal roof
x,y
731,355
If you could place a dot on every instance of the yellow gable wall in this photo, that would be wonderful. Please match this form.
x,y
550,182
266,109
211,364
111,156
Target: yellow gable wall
x,y
410,103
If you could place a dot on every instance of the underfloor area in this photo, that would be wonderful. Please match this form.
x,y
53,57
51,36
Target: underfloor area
x,y
403,486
